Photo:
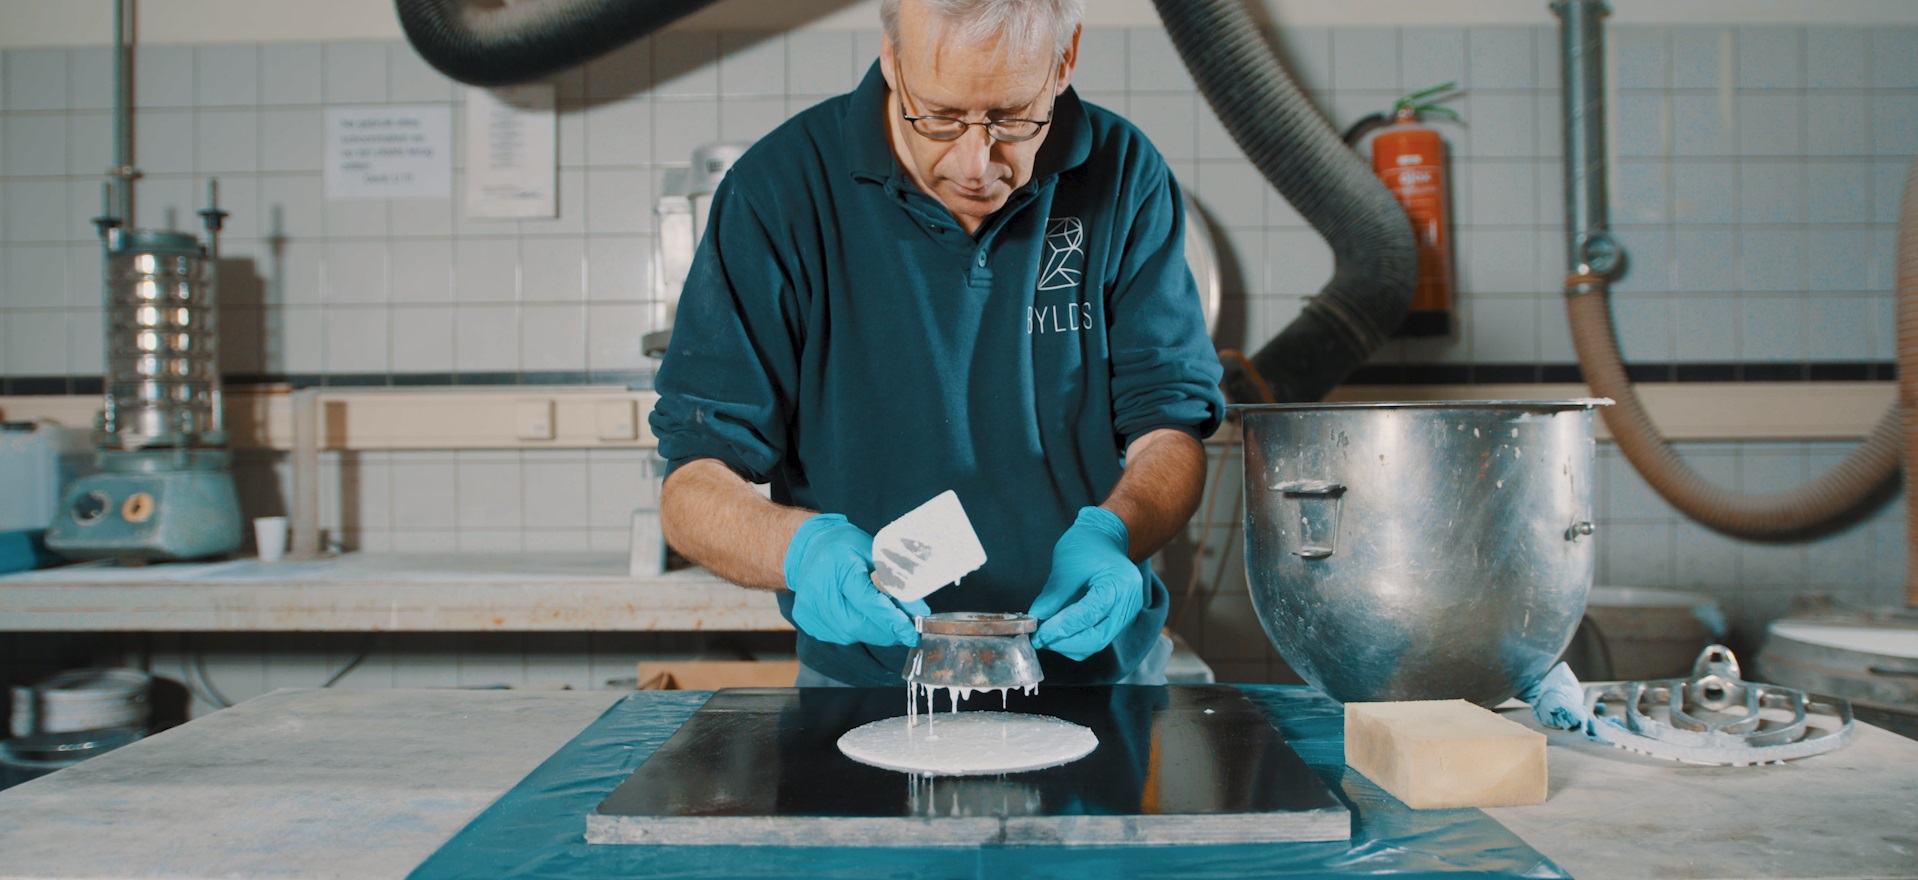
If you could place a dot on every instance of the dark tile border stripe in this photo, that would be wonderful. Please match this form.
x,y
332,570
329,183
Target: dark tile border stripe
x,y
1371,374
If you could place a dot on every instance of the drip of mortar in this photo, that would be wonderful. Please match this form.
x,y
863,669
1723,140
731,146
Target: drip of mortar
x,y
914,556
967,651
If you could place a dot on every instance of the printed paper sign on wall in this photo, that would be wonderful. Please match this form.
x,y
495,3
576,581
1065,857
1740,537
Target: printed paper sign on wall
x,y
389,153
512,136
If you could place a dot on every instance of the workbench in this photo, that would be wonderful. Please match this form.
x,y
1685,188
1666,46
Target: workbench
x,y
383,592
368,784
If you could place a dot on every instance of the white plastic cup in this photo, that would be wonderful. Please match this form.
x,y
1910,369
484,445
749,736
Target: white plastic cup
x,y
270,533
648,545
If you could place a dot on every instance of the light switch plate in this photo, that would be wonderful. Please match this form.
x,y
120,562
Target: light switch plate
x,y
618,420
533,419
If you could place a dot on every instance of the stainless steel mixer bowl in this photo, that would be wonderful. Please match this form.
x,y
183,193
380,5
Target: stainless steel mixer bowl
x,y
1419,551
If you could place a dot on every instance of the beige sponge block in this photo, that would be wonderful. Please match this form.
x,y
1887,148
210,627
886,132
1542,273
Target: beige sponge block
x,y
1434,754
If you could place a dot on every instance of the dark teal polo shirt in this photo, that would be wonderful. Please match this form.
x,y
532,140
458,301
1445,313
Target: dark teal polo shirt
x,y
842,337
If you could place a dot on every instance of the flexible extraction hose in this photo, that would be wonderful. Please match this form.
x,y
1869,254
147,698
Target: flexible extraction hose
x,y
1299,152
1827,502
503,42
1804,511
1376,264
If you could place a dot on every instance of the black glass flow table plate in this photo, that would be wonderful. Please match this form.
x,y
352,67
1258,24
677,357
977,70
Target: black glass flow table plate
x,y
1176,764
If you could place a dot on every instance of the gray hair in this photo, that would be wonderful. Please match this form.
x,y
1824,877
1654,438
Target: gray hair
x,y
1020,26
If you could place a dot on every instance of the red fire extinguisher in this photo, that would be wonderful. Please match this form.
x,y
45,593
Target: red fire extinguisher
x,y
1410,159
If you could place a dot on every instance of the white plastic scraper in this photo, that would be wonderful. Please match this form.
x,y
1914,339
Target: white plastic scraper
x,y
931,546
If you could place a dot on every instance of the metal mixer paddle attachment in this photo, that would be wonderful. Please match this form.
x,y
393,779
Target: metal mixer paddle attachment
x,y
1716,717
974,650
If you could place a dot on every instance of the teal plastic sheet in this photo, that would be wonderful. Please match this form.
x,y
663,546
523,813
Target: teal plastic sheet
x,y
538,829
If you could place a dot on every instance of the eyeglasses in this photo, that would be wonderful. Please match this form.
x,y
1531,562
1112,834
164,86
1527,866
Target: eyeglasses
x,y
947,128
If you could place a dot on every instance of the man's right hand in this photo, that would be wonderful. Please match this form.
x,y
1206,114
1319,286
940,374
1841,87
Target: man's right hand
x,y
829,570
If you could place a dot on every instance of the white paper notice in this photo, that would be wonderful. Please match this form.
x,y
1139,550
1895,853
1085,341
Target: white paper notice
x,y
512,134
389,152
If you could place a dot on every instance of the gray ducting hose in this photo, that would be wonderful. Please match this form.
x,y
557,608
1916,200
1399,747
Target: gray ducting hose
x,y
502,43
1264,110
1848,490
1298,151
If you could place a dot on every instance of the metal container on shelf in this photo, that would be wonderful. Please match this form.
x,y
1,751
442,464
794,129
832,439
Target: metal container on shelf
x,y
163,377
70,717
25,758
1650,633
81,700
165,490
1868,658
1419,551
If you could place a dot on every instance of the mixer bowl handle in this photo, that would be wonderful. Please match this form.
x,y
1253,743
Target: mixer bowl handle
x,y
1318,511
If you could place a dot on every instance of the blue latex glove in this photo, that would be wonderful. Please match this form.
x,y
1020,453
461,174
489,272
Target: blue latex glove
x,y
1094,590
1558,700
829,570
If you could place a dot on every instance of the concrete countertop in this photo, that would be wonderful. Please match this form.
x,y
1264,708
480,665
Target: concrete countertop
x,y
1850,813
295,783
382,592
367,784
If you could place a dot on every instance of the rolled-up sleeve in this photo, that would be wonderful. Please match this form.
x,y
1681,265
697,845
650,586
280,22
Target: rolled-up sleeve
x,y
726,383
1165,372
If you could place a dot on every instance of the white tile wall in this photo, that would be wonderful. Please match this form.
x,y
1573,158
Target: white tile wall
x,y
227,76
163,76
553,337
1836,58
1502,58
1430,57
1365,59
1756,185
486,339
354,73
357,340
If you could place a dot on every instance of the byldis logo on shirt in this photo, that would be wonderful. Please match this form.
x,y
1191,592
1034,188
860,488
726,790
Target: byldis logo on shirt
x,y
1064,269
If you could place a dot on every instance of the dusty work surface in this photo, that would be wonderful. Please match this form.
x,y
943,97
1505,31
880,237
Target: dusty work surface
x,y
306,783
1180,764
382,592
1613,813
369,784
534,829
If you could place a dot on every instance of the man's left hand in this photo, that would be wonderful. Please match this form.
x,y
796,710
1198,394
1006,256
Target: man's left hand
x,y
1094,590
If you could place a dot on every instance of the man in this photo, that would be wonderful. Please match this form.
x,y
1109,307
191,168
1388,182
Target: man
x,y
956,277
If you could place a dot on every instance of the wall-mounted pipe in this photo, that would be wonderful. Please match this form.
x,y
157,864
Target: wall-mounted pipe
x,y
120,200
1590,247
1834,499
1908,368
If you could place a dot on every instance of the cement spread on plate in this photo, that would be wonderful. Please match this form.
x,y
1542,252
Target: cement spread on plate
x,y
968,743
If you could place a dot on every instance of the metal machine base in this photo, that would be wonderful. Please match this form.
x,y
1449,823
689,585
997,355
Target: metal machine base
x,y
153,505
1174,765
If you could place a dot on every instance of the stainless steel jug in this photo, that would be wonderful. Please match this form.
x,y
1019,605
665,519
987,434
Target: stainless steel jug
x,y
1419,551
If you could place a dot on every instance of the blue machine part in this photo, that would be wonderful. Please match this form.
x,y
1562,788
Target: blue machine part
x,y
37,461
155,505
25,550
